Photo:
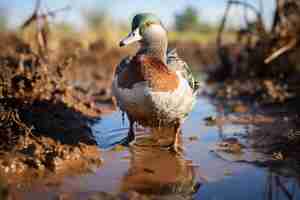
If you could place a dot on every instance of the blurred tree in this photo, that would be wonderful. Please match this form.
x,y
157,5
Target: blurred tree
x,y
97,18
65,27
3,20
188,20
101,27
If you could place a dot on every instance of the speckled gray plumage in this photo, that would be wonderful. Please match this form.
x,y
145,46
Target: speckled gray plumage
x,y
174,62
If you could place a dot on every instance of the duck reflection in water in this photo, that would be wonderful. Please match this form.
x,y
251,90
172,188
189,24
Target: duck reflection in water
x,y
157,171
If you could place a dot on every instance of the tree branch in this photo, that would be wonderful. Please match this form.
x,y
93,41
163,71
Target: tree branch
x,y
281,51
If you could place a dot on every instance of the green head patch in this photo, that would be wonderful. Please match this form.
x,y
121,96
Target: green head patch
x,y
144,19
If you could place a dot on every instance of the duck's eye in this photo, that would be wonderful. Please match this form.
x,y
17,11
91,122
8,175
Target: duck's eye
x,y
147,24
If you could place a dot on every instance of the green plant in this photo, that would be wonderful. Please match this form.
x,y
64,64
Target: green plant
x,y
188,20
3,21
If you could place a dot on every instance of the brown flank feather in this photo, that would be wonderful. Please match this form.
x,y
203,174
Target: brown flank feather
x,y
150,69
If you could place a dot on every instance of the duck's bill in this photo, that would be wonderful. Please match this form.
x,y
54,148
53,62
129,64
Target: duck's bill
x,y
134,36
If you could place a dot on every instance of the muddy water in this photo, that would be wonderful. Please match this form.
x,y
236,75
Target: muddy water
x,y
196,173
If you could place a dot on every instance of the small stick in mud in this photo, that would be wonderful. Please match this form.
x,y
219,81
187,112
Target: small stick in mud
x,y
42,26
281,51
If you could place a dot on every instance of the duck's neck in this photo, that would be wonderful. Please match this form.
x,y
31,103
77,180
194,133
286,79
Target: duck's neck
x,y
156,49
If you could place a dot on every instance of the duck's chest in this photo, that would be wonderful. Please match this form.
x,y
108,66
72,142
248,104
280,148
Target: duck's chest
x,y
144,103
148,91
150,70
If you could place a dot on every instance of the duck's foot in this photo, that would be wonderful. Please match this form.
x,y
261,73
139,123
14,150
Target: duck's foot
x,y
176,149
173,148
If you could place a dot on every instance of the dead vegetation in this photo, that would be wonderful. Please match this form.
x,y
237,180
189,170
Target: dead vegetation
x,y
262,51
50,87
265,56
262,67
45,107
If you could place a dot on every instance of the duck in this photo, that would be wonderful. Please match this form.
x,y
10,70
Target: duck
x,y
154,87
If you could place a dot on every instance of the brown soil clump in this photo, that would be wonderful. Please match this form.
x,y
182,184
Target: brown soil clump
x,y
44,115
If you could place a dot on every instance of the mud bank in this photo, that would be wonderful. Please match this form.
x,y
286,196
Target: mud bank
x,y
45,117
45,136
272,114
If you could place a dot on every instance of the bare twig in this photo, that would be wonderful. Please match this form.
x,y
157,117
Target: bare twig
x,y
53,13
281,51
248,6
246,14
224,19
42,26
279,16
37,6
283,188
33,16
222,53
276,17
37,15
261,7
222,25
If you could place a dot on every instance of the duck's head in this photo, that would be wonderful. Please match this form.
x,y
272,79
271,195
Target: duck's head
x,y
147,29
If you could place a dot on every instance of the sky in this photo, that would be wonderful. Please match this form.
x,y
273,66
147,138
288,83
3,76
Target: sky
x,y
124,10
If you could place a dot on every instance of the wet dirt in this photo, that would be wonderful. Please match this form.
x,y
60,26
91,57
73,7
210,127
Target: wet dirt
x,y
144,171
44,115
59,158
48,137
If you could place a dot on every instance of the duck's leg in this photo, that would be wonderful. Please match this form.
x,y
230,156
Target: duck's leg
x,y
131,135
176,143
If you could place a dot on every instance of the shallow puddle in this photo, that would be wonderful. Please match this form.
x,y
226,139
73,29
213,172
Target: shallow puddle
x,y
196,173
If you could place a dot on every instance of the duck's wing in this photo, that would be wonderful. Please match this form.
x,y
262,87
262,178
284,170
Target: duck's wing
x,y
174,62
123,65
147,70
